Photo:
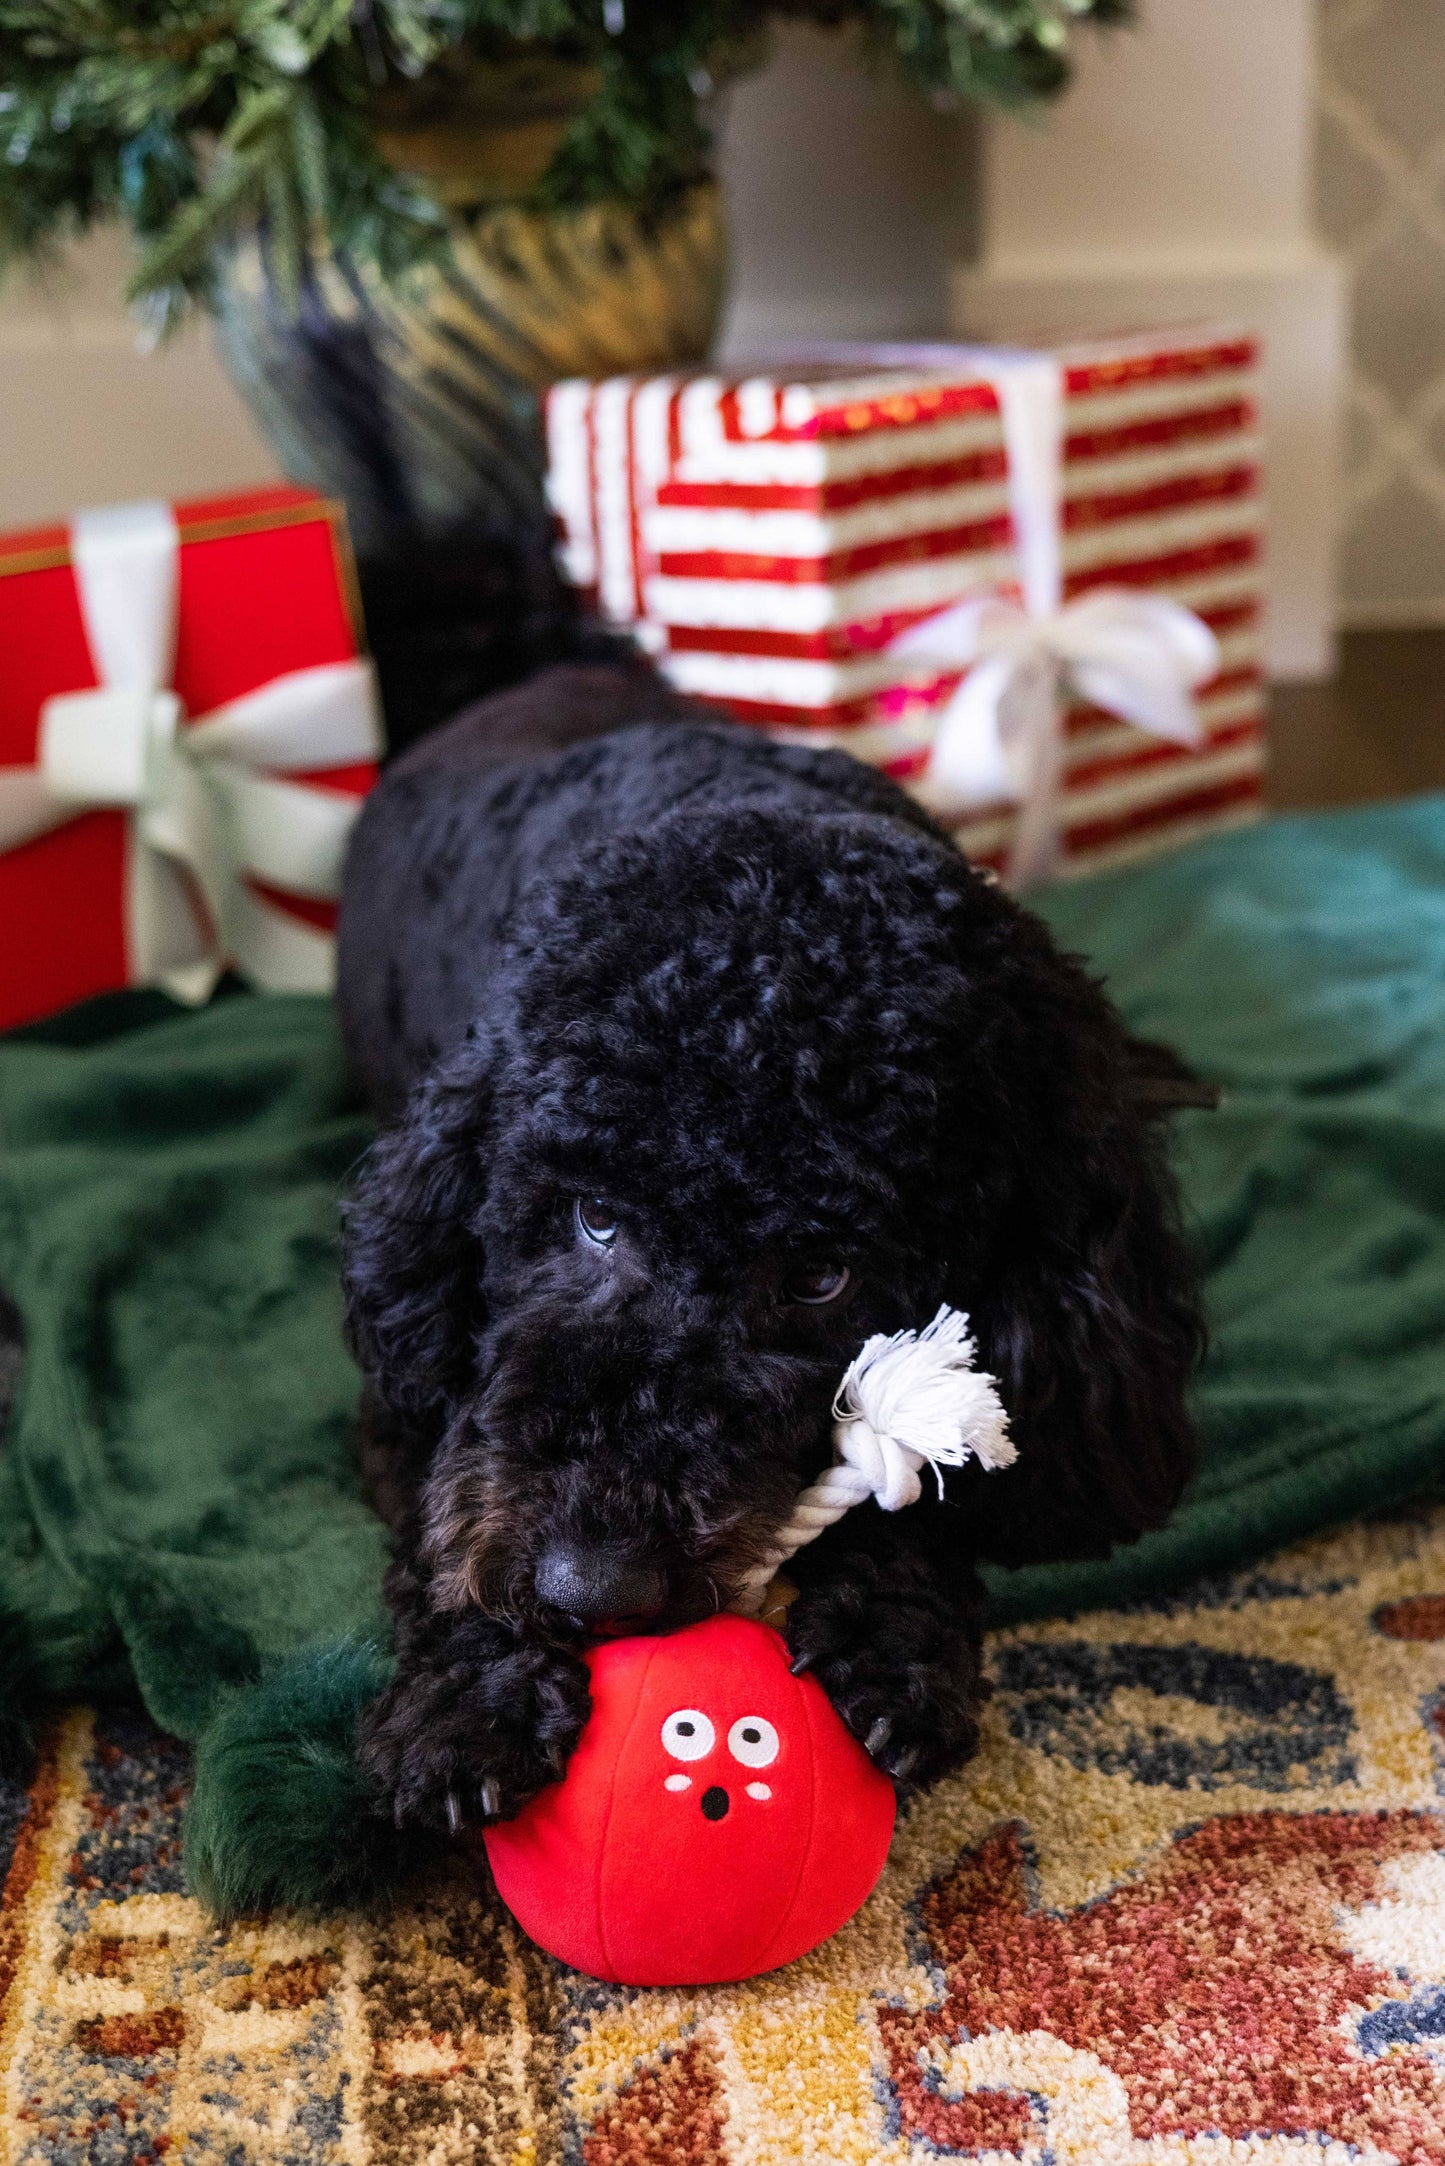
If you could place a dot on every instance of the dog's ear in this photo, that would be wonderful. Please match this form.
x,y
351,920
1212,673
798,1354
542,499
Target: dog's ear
x,y
1089,1312
1162,1083
413,1270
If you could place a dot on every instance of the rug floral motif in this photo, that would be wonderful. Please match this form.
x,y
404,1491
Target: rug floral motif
x,y
1186,1909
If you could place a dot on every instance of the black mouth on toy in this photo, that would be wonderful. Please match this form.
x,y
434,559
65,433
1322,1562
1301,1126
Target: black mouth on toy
x,y
714,1802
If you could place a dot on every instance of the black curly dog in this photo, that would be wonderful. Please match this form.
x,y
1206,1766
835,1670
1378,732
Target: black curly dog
x,y
706,1057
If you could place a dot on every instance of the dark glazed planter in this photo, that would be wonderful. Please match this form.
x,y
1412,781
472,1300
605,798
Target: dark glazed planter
x,y
418,406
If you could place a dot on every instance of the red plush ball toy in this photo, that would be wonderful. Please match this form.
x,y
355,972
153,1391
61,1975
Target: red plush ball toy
x,y
716,1818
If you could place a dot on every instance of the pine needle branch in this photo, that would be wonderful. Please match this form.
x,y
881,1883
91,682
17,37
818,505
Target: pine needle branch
x,y
193,120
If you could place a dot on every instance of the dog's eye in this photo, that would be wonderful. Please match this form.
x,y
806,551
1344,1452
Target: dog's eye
x,y
813,1288
596,1222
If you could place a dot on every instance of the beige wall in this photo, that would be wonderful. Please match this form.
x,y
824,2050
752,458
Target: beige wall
x,y
86,417
1380,179
1182,146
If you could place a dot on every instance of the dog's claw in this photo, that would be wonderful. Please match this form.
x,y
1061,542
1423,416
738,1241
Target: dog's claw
x,y
558,1760
491,1799
904,1765
454,1813
801,1662
878,1737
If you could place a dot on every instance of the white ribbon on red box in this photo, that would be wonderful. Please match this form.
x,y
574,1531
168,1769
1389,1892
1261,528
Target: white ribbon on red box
x,y
211,808
1001,737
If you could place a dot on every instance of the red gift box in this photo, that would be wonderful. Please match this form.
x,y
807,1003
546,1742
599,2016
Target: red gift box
x,y
189,807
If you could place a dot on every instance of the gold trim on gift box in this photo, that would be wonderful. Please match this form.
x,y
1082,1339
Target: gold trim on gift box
x,y
343,557
35,560
344,554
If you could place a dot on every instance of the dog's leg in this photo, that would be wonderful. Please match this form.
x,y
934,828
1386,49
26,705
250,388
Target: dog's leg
x,y
892,1631
478,1717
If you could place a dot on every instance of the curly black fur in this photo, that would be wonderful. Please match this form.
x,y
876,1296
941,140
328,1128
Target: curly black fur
x,y
747,998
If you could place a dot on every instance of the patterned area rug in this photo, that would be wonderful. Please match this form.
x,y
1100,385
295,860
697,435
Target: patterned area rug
x,y
1188,1908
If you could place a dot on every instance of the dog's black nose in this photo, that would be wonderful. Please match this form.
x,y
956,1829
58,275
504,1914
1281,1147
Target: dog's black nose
x,y
590,1584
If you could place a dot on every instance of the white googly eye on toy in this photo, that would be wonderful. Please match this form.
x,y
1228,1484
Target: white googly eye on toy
x,y
753,1741
688,1735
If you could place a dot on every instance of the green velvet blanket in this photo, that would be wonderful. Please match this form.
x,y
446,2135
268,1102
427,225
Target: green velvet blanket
x,y
177,1499
177,1493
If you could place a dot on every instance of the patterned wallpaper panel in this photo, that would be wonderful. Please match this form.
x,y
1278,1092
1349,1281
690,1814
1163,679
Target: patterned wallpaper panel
x,y
1381,204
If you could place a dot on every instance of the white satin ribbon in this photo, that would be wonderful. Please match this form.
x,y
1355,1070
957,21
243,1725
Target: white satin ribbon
x,y
1138,656
1001,739
209,803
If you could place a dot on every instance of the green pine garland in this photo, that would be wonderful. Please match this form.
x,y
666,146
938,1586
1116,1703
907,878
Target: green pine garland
x,y
192,119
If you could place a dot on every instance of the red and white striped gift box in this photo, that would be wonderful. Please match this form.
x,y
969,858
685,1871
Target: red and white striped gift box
x,y
768,536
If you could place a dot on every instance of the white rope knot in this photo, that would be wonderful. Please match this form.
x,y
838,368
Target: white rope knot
x,y
911,1400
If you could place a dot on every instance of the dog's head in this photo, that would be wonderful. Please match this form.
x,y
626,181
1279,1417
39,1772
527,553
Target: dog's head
x,y
748,1090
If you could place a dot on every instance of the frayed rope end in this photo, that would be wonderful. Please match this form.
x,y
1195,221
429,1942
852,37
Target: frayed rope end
x,y
917,1398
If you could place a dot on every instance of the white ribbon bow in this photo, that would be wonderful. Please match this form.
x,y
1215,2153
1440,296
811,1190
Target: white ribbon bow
x,y
1000,738
204,814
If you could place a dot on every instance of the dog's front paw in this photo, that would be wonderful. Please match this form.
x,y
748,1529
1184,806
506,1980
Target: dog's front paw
x,y
908,1689
475,1736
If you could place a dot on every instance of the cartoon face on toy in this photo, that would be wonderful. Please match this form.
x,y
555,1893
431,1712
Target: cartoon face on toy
x,y
716,1819
689,1734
